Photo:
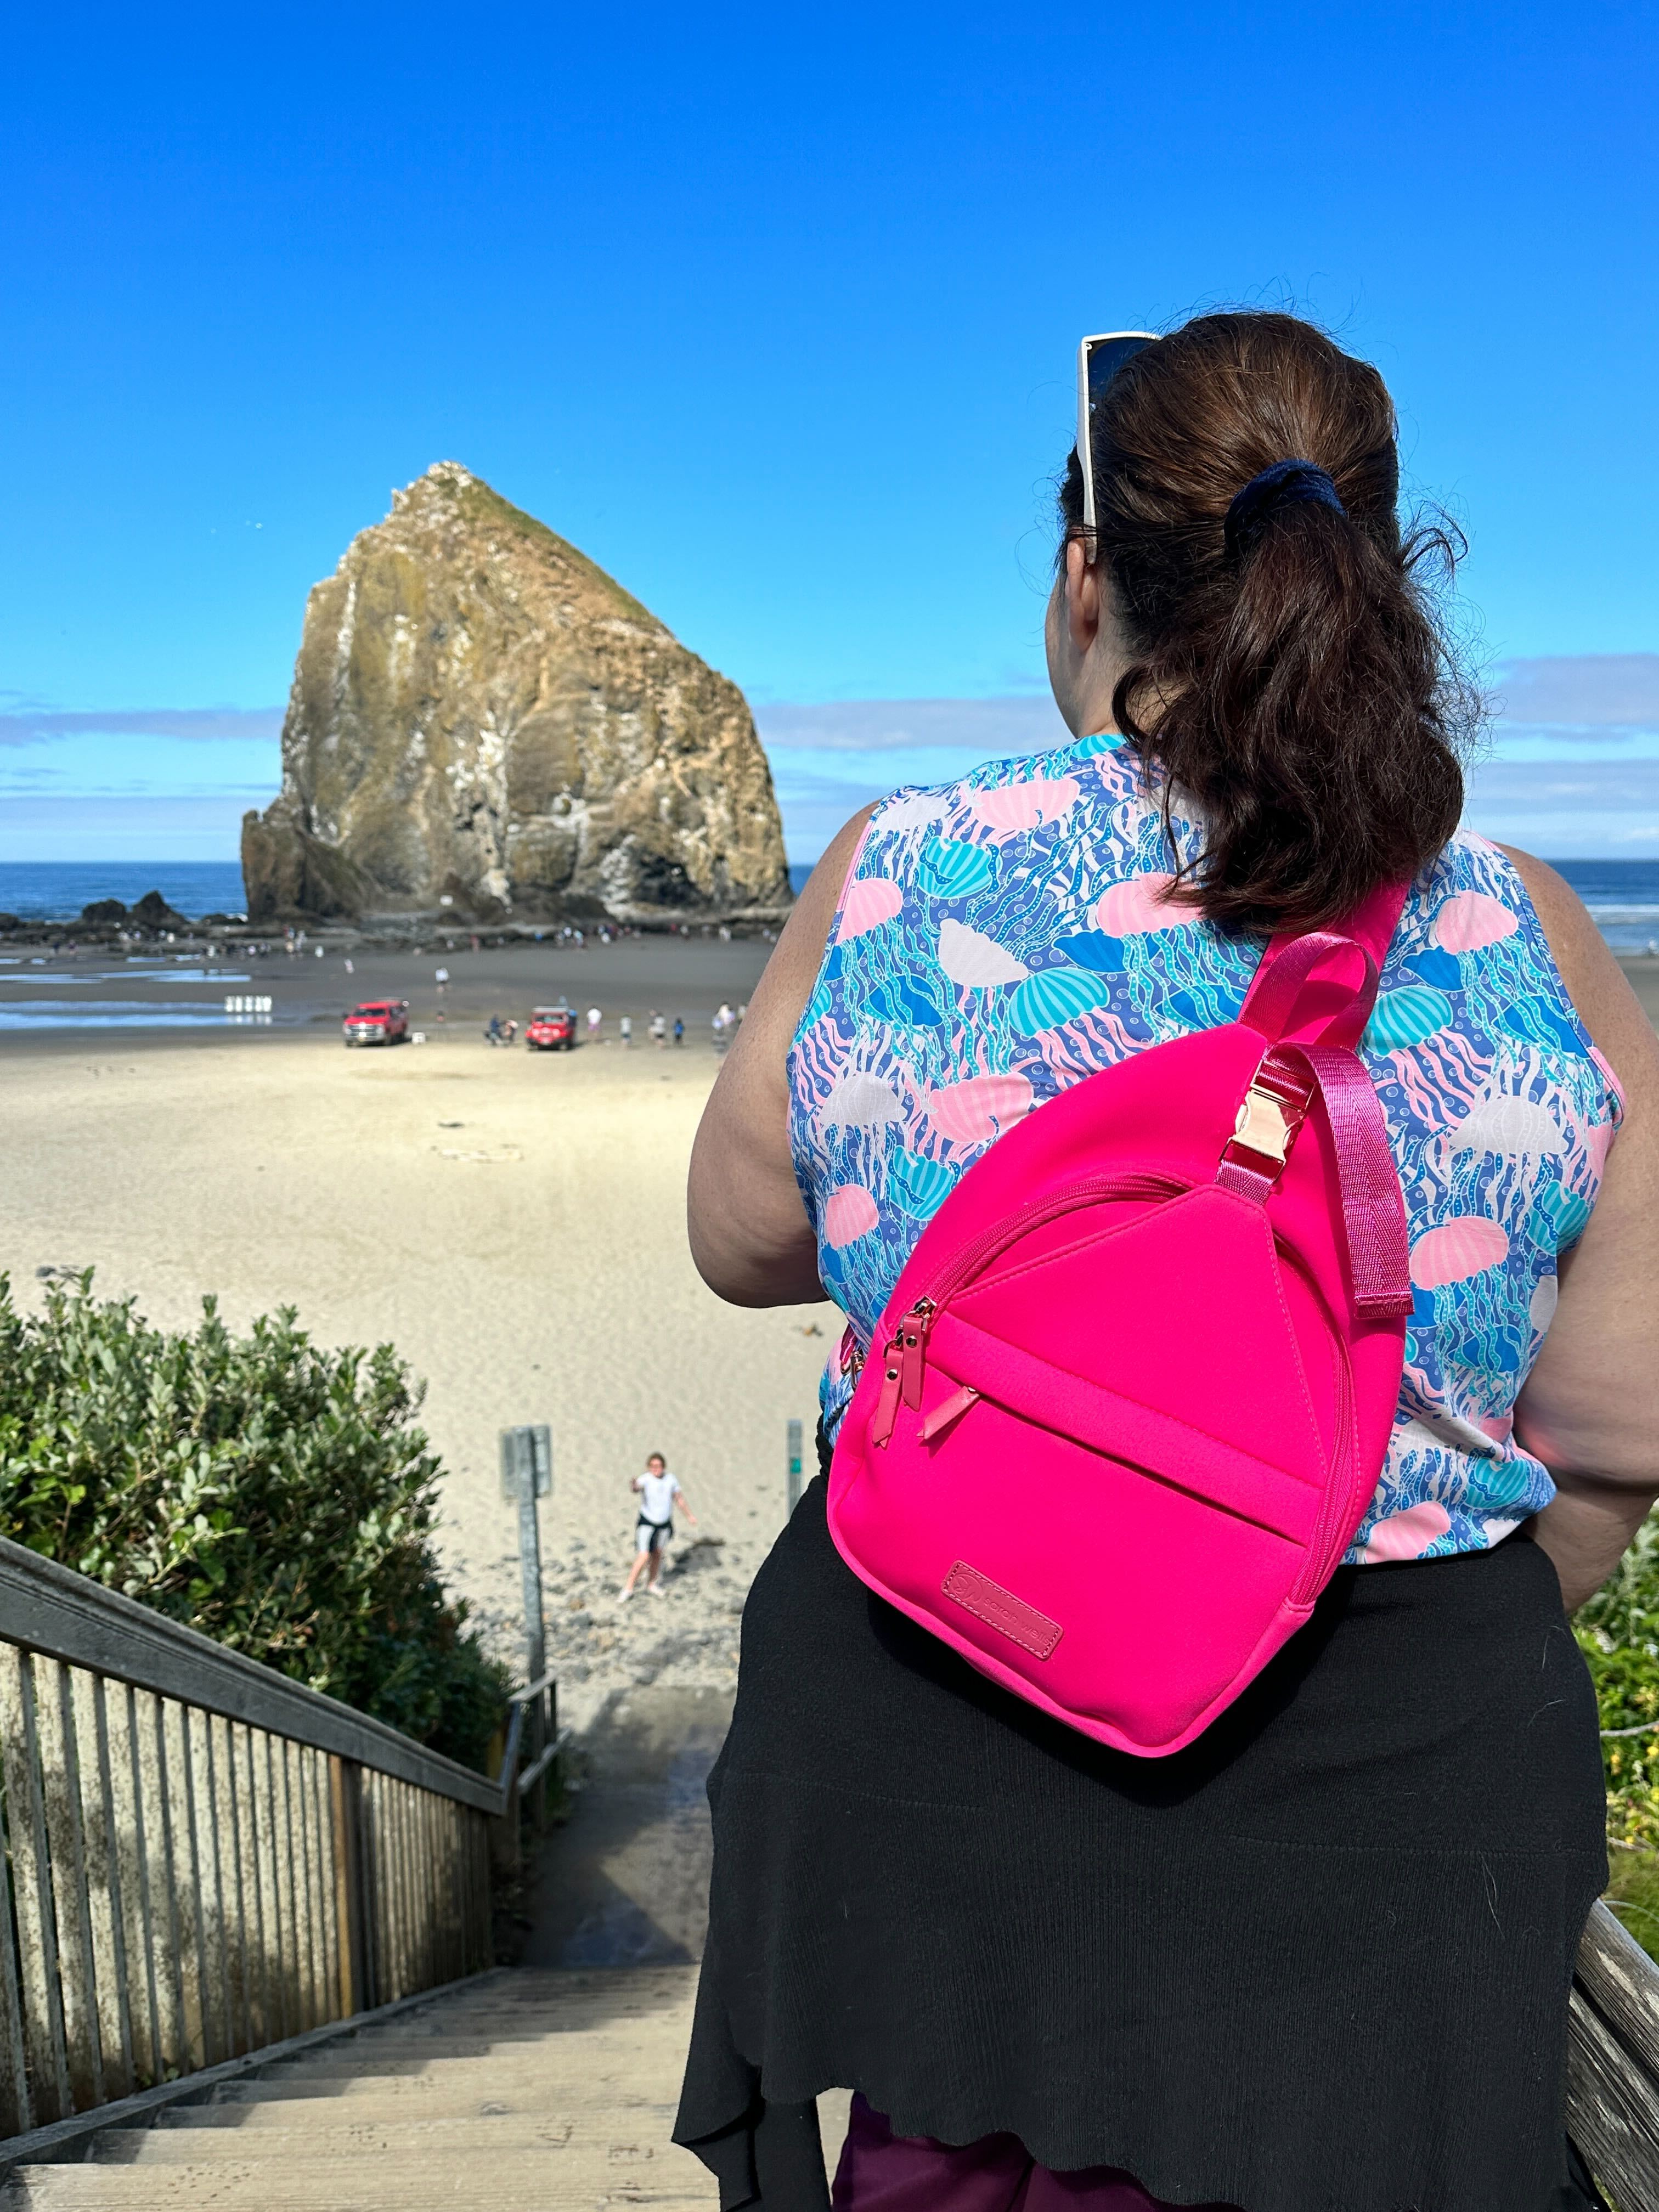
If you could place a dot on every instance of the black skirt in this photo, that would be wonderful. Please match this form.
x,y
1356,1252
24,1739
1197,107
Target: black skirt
x,y
1316,1962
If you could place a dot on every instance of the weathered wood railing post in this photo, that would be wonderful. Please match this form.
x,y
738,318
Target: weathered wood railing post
x,y
345,1790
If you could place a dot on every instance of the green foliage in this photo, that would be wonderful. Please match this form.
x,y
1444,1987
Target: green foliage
x,y
276,1496
1618,1631
1634,1894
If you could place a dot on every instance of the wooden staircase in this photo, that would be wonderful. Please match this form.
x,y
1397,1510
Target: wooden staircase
x,y
246,1937
525,2091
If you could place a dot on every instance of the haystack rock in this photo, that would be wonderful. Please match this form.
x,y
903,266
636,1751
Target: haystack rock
x,y
482,720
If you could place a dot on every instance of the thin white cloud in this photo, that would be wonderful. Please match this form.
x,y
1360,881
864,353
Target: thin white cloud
x,y
1568,809
1604,697
24,723
145,829
1565,692
1583,691
990,728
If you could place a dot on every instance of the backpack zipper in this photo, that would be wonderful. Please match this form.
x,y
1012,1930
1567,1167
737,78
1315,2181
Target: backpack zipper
x,y
905,1358
1036,1212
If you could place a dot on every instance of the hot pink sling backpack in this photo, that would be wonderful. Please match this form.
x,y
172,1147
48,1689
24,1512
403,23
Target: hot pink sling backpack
x,y
1129,1399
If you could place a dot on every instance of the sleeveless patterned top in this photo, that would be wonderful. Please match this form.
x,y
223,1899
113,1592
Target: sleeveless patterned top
x,y
1000,939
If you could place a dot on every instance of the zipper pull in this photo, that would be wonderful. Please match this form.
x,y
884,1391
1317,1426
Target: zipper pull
x,y
887,1405
903,1359
952,1410
913,1360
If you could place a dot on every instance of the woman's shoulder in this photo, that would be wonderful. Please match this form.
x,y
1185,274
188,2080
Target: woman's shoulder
x,y
1600,991
1469,869
1510,937
999,798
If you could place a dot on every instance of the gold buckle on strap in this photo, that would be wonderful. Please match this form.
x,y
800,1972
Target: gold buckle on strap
x,y
1261,1127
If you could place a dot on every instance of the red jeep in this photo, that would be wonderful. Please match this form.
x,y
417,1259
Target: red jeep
x,y
378,1021
551,1029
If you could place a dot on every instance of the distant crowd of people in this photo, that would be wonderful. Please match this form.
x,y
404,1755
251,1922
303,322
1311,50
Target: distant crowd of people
x,y
725,1023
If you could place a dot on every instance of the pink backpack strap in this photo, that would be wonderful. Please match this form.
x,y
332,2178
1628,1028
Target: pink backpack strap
x,y
1291,960
1373,1206
1294,971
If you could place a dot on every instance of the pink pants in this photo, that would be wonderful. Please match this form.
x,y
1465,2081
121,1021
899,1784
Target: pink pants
x,y
880,2172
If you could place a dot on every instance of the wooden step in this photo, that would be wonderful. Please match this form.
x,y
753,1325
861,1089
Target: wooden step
x,y
470,2061
615,2095
598,2128
553,2056
545,2021
502,2181
663,2030
531,2093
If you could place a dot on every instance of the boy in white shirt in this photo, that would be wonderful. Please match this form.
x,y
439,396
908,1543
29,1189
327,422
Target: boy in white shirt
x,y
659,1492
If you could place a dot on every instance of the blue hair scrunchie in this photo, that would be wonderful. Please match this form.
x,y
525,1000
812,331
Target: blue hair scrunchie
x,y
1286,483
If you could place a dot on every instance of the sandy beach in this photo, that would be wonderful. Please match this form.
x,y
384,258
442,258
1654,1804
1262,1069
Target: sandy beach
x,y
513,1222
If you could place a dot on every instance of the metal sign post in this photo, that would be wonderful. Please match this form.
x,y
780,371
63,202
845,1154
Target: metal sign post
x,y
796,1481
526,1475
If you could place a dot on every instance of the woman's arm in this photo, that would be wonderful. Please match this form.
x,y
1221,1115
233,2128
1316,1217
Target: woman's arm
x,y
750,1237
1590,1407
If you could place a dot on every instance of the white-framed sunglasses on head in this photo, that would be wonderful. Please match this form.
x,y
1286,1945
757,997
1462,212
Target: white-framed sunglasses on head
x,y
1098,361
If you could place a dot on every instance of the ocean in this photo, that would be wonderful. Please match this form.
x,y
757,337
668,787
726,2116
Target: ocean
x,y
1622,895
56,890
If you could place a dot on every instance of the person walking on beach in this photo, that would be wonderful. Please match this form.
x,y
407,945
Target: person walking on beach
x,y
658,1493
625,1030
1319,1957
659,1030
595,1022
680,1030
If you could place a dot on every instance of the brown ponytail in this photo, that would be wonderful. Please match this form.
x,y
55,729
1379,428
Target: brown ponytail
x,y
1299,692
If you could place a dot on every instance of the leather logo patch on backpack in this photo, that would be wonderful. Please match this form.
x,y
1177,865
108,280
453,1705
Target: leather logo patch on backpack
x,y
1000,1609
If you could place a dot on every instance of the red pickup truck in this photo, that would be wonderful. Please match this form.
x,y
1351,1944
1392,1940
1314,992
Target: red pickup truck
x,y
551,1029
378,1021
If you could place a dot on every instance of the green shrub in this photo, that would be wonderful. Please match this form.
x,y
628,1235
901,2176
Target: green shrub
x,y
1618,1631
1633,1895
276,1496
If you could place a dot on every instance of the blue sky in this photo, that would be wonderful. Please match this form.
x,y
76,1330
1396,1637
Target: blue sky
x,y
776,319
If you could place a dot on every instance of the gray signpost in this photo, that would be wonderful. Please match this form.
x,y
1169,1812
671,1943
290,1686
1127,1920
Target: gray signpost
x,y
527,1475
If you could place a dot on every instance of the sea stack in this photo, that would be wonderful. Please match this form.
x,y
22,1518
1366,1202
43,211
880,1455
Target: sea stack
x,y
483,722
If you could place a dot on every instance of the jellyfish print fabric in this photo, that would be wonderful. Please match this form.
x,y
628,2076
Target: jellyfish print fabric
x,y
1000,939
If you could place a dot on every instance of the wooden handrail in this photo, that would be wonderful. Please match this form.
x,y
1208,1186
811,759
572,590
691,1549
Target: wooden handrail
x,y
53,1610
1613,2062
532,1690
533,1773
200,1858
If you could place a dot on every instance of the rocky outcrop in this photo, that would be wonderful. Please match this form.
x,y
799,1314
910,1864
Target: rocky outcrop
x,y
152,911
482,720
